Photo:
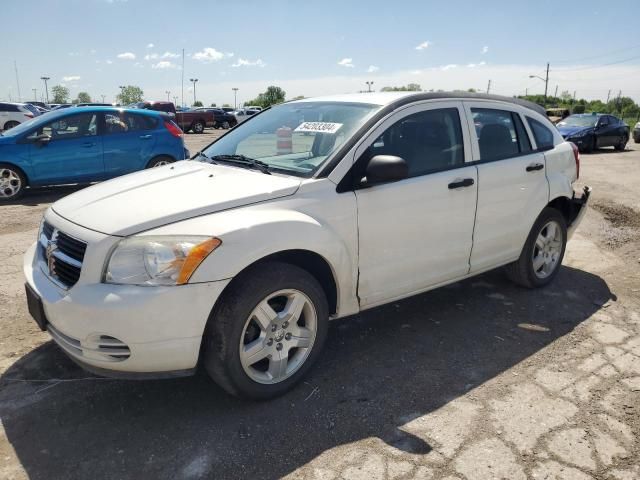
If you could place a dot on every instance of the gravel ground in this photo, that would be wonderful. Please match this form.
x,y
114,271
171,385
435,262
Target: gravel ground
x,y
476,380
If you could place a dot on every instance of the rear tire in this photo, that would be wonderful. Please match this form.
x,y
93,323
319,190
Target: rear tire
x,y
543,251
622,143
255,345
10,124
12,182
160,161
198,126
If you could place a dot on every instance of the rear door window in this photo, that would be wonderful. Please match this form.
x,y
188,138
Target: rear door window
x,y
542,135
498,134
120,122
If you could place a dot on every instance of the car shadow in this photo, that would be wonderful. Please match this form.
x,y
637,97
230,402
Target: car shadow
x,y
378,370
39,195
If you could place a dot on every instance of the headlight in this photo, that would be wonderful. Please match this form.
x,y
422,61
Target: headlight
x,y
161,260
581,133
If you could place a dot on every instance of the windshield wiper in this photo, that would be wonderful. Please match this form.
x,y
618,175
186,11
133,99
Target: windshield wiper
x,y
204,155
244,160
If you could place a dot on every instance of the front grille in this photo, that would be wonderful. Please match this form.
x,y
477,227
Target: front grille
x,y
62,254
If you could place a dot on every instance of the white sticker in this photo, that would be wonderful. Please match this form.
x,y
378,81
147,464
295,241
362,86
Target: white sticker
x,y
318,127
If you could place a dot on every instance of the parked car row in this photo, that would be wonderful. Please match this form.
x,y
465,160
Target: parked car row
x,y
85,145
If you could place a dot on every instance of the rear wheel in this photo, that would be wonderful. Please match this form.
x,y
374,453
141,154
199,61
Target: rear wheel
x,y
11,124
160,161
226,125
12,182
543,251
267,331
198,126
622,143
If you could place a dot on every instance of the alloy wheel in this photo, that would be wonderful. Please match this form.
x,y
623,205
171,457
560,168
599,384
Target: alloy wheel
x,y
547,250
278,336
10,183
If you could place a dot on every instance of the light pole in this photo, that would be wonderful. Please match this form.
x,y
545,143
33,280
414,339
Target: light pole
x,y
121,87
175,100
235,98
546,83
194,80
103,97
369,85
45,86
35,95
168,93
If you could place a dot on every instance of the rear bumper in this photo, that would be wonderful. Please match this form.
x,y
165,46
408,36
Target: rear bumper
x,y
578,209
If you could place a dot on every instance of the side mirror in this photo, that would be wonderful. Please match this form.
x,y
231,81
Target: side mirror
x,y
386,168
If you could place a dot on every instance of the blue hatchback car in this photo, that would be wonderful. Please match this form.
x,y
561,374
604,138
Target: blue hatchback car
x,y
85,144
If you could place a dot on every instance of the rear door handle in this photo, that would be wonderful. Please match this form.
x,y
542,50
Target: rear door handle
x,y
465,182
535,166
146,137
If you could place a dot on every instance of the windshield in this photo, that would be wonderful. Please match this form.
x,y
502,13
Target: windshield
x,y
294,138
579,121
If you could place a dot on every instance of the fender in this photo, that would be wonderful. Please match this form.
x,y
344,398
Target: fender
x,y
253,233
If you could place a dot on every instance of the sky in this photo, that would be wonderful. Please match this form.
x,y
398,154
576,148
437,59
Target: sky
x,y
317,48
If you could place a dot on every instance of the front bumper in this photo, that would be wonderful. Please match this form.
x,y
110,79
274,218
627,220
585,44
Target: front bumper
x,y
578,210
125,330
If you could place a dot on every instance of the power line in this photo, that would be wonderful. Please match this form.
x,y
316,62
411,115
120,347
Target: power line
x,y
599,66
599,55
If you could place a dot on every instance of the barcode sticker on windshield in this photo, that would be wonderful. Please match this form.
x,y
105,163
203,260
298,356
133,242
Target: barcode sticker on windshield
x,y
318,127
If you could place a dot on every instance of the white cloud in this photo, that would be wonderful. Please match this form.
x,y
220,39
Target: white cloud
x,y
138,65
248,63
150,45
208,55
164,64
372,69
127,56
73,54
108,62
423,46
346,62
151,56
485,49
448,67
482,63
170,55
71,78
92,51
416,72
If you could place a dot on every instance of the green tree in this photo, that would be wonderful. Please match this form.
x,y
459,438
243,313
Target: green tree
x,y
83,97
411,87
130,94
197,103
60,94
299,97
272,96
226,105
213,104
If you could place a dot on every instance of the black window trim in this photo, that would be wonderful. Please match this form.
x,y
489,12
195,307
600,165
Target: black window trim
x,y
350,184
538,148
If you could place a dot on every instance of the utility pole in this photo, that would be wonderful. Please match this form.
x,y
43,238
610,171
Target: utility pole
x,y
546,85
168,93
608,96
489,86
235,98
175,100
618,101
35,95
556,94
194,80
574,95
46,88
103,97
526,92
182,80
121,87
369,86
15,67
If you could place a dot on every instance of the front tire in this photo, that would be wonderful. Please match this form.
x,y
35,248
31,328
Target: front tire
x,y
267,331
622,143
12,183
543,251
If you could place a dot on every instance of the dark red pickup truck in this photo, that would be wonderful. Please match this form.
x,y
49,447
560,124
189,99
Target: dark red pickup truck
x,y
195,121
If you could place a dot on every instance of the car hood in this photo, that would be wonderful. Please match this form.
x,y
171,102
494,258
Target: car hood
x,y
569,130
164,195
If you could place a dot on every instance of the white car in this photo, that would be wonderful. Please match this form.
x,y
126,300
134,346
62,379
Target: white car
x,y
238,259
243,114
13,114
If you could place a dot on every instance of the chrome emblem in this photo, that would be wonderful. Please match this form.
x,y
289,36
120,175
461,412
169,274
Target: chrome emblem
x,y
52,246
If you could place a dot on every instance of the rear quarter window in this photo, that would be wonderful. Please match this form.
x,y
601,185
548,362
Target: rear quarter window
x,y
541,133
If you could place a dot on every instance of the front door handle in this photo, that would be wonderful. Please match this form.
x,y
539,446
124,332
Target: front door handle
x,y
146,137
465,182
535,166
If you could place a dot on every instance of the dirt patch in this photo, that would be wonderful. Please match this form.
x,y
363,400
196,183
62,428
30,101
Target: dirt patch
x,y
622,223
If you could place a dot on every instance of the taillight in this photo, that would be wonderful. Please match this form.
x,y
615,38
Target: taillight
x,y
173,129
28,115
576,155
